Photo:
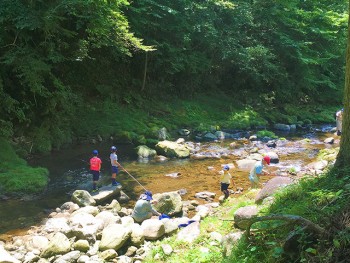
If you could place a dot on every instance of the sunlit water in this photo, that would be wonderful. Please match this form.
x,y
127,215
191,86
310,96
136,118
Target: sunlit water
x,y
69,171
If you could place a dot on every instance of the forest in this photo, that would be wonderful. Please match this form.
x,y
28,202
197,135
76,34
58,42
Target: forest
x,y
73,71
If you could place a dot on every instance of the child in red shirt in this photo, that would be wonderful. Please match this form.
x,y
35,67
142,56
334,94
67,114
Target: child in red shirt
x,y
95,168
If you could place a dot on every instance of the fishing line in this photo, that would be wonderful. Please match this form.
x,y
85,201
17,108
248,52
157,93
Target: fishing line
x,y
131,176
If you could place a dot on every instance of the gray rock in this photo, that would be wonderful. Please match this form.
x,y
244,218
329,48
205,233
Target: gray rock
x,y
243,214
189,233
144,151
58,245
172,149
153,229
114,237
5,256
271,186
169,203
82,198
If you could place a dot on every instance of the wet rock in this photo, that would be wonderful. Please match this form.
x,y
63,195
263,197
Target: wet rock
x,y
173,175
160,158
271,144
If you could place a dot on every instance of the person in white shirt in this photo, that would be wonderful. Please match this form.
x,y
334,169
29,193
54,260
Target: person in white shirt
x,y
114,162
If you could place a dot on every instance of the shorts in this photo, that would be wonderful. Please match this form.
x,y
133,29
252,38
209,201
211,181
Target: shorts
x,y
114,169
95,175
224,186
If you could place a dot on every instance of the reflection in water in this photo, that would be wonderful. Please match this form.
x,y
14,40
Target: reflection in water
x,y
69,171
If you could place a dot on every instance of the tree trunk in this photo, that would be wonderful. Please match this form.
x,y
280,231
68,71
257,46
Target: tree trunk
x,y
343,158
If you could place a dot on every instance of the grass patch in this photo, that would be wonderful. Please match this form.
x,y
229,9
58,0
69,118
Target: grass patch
x,y
16,176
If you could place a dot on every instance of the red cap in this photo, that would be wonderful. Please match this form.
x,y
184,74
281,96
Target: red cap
x,y
267,159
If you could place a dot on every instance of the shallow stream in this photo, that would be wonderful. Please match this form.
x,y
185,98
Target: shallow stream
x,y
69,171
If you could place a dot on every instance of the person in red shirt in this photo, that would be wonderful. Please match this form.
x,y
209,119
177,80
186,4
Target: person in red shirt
x,y
95,168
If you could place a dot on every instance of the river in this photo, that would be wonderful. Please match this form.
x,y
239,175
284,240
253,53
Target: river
x,y
69,171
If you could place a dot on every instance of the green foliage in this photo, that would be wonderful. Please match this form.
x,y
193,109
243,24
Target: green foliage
x,y
245,119
266,133
316,199
16,176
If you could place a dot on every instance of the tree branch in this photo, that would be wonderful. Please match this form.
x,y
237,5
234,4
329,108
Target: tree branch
x,y
290,218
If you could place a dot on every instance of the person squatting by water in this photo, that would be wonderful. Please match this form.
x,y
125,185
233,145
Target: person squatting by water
x,y
114,162
95,168
257,170
143,208
225,181
339,121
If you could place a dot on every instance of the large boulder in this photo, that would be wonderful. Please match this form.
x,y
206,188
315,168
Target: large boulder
x,y
271,187
57,225
169,203
172,149
153,229
58,245
245,164
114,237
144,151
106,192
82,198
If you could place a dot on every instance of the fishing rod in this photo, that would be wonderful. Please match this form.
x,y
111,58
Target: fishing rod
x,y
131,175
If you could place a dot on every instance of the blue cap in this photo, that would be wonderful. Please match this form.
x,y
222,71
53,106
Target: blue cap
x,y
226,168
95,152
113,149
146,196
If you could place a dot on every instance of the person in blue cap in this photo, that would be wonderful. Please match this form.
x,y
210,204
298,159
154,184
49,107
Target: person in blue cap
x,y
114,162
143,208
95,168
225,181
